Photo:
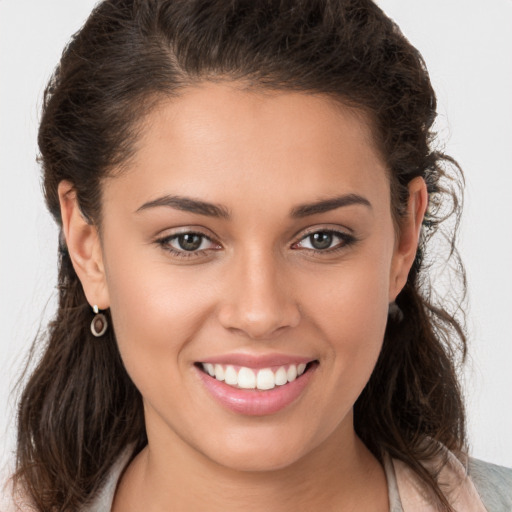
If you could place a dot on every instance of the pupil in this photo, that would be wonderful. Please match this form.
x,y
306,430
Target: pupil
x,y
321,240
189,242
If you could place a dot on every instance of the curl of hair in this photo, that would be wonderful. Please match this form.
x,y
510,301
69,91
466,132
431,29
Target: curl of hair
x,y
80,410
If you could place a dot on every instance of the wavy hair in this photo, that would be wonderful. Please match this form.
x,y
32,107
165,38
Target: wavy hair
x,y
79,409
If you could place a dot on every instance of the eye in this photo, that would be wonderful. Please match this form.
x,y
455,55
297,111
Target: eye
x,y
325,241
187,244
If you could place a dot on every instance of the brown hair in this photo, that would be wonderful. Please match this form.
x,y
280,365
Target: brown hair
x,y
79,409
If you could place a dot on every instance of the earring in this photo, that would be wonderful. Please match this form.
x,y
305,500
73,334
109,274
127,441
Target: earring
x,y
99,323
395,312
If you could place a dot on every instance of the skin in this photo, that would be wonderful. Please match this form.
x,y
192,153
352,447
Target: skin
x,y
259,287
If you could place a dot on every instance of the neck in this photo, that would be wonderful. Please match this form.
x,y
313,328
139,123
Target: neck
x,y
334,476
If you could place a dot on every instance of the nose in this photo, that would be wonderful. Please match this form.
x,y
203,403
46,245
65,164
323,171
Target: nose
x,y
259,301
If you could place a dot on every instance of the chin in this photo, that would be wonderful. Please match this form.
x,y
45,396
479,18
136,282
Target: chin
x,y
255,453
264,461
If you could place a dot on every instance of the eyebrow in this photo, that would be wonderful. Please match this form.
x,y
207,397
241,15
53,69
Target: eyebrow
x,y
327,205
187,204
191,205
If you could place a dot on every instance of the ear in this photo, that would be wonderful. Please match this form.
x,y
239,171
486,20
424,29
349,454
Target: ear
x,y
83,243
407,240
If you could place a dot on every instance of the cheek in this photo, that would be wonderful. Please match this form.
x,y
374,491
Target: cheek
x,y
147,293
155,310
352,297
349,306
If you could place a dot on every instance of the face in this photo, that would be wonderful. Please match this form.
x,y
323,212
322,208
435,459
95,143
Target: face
x,y
250,240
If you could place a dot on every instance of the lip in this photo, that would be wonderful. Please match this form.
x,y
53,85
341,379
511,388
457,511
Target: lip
x,y
254,402
257,362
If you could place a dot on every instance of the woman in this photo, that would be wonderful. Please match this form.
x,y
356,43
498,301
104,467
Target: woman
x,y
243,316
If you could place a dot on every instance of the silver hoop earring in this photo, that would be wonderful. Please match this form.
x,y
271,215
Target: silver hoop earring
x,y
99,323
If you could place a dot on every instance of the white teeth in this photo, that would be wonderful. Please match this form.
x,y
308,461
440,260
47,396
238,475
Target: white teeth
x,y
281,377
219,372
230,376
291,374
266,379
246,378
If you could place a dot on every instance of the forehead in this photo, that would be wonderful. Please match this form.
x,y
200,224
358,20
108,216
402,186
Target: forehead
x,y
220,141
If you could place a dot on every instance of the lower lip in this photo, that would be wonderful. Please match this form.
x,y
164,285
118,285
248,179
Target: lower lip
x,y
254,402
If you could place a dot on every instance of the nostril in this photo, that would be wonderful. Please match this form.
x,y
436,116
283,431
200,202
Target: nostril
x,y
257,327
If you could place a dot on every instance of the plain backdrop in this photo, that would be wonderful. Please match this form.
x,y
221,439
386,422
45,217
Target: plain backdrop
x,y
467,45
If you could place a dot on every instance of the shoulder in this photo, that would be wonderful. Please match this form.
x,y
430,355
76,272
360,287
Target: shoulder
x,y
7,494
104,499
13,500
10,499
472,486
493,483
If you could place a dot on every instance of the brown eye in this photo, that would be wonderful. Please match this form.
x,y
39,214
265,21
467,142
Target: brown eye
x,y
188,244
189,241
321,240
325,241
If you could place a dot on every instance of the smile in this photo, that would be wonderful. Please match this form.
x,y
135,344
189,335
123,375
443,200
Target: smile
x,y
256,386
247,378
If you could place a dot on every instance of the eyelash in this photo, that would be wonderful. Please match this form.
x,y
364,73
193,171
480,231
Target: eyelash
x,y
164,243
346,241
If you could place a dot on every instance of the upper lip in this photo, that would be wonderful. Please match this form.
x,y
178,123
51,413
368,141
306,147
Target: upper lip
x,y
257,361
